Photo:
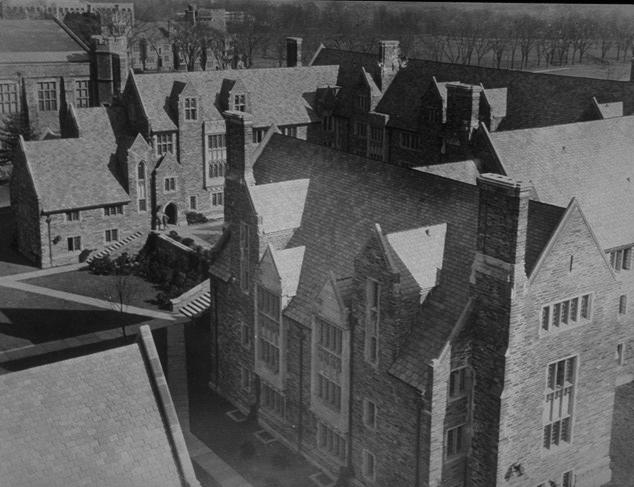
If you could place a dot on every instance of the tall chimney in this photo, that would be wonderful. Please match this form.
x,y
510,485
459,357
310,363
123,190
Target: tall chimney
x,y
110,65
293,51
239,137
389,62
463,108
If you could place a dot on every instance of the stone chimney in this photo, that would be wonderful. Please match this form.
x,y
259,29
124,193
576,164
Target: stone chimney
x,y
463,108
293,51
110,65
239,140
389,62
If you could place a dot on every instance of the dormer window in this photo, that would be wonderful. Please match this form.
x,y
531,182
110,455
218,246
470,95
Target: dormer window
x,y
191,109
363,102
164,143
239,102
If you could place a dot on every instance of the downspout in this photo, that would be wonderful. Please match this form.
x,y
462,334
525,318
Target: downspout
x,y
419,414
50,243
300,425
349,470
216,346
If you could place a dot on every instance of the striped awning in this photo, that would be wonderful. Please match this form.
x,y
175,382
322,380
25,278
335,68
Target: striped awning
x,y
117,245
197,306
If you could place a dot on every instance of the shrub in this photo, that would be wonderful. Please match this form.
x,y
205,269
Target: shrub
x,y
188,241
102,266
247,450
194,217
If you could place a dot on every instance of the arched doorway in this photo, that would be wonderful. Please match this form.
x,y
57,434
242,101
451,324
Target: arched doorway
x,y
172,213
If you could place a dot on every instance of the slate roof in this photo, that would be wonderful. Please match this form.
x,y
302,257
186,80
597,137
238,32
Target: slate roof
x,y
95,122
591,161
280,205
419,253
101,419
283,96
28,40
534,99
465,171
81,166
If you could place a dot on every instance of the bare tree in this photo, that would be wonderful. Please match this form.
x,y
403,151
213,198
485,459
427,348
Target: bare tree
x,y
122,288
194,42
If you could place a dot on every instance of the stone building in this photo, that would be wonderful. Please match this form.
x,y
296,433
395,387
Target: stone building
x,y
101,419
405,328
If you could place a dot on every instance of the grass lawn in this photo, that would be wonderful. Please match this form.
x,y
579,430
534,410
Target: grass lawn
x,y
87,284
619,72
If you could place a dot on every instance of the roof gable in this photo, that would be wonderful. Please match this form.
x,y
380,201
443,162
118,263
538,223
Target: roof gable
x,y
280,206
279,271
331,303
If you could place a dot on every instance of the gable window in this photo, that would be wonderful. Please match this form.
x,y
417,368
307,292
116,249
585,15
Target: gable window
x,y
193,202
164,143
217,154
8,98
169,184
112,235
331,442
72,216
239,102
217,196
272,400
410,141
558,402
191,109
457,382
113,210
82,93
363,102
372,314
141,186
74,244
47,96
360,129
328,123
368,465
454,442
330,345
622,304
268,306
369,414
569,312
289,131
258,135
621,259
244,257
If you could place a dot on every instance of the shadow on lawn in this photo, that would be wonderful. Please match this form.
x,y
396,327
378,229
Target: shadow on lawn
x,y
43,325
8,254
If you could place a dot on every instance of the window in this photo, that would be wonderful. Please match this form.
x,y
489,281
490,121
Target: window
x,y
363,102
169,184
433,114
269,328
331,442
372,313
164,144
239,102
622,304
112,235
289,131
272,400
566,313
369,414
193,202
558,402
360,129
191,110
217,196
8,98
329,123
245,332
376,143
141,186
457,382
329,345
454,445
217,155
244,257
258,135
74,243
566,479
329,392
368,468
245,379
113,210
621,259
82,93
410,141
47,96
620,354
72,216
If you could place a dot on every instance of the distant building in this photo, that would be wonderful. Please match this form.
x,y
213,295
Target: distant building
x,y
101,419
151,47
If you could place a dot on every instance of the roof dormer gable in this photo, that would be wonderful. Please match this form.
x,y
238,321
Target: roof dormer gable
x,y
331,303
189,104
239,97
279,271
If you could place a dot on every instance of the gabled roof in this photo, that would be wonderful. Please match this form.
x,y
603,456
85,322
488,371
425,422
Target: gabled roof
x,y
419,253
591,161
280,205
609,110
283,96
94,122
534,99
101,419
81,166
32,41
288,263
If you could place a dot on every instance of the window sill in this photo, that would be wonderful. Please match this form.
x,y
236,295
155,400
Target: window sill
x,y
454,459
455,398
560,329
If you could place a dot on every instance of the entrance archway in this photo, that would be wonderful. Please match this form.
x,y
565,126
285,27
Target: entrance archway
x,y
172,213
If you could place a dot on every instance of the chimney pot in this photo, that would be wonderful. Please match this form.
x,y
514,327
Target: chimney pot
x,y
293,51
